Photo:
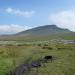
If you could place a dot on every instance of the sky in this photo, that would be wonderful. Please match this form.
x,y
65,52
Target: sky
x,y
20,15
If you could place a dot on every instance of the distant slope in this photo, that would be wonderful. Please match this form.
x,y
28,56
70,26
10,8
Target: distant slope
x,y
46,32
43,30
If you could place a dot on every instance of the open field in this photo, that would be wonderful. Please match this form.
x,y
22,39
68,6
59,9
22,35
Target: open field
x,y
12,55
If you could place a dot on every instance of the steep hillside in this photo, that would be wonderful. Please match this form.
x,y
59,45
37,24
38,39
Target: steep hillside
x,y
45,32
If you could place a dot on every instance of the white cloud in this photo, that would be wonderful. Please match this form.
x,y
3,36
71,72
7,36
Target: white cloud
x,y
20,12
64,19
12,28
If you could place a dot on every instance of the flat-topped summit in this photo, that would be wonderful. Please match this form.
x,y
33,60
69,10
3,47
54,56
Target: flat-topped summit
x,y
46,32
46,29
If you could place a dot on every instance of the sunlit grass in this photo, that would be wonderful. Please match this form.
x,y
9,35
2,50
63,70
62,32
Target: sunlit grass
x,y
64,64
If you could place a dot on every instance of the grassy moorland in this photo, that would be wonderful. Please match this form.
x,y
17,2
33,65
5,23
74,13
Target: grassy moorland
x,y
13,55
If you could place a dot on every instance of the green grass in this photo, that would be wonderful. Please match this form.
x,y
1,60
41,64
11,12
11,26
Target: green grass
x,y
13,55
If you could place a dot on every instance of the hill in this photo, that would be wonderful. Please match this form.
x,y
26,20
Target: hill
x,y
45,32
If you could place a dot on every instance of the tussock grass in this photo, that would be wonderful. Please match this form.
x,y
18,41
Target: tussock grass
x,y
14,55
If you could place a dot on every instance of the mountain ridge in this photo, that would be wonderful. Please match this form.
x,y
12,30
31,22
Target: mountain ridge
x,y
46,32
43,29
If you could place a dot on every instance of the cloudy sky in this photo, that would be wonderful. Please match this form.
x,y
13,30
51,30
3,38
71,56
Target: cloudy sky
x,y
19,15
